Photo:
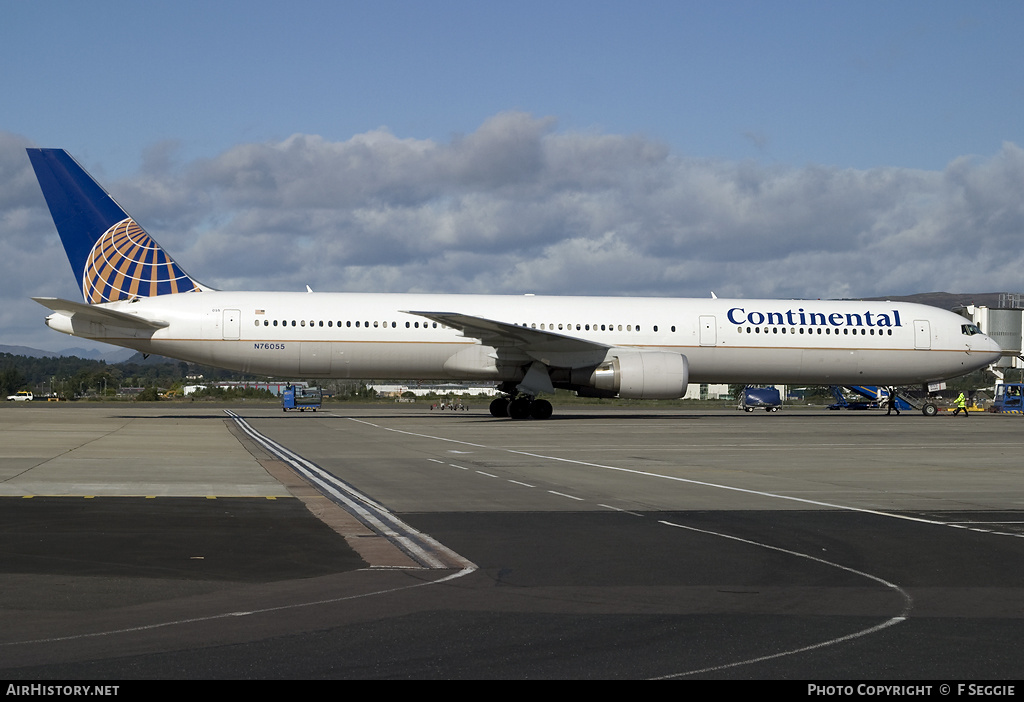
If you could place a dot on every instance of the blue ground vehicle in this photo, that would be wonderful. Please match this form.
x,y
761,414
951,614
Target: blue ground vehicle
x,y
1009,398
301,399
753,398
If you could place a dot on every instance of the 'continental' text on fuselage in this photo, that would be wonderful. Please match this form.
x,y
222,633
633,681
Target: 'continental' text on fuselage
x,y
799,317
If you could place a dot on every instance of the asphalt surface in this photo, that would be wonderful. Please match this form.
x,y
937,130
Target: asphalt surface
x,y
179,542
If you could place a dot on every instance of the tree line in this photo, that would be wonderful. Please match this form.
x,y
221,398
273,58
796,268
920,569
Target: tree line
x,y
70,376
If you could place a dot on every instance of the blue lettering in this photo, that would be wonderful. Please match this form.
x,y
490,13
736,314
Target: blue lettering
x,y
739,315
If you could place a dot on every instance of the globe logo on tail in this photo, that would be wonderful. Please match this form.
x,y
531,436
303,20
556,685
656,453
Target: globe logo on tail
x,y
126,263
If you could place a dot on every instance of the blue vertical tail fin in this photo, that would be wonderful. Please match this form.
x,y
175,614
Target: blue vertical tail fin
x,y
113,257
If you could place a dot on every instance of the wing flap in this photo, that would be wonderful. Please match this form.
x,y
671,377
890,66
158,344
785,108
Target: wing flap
x,y
549,347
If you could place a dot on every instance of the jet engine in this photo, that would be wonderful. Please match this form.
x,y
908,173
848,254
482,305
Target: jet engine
x,y
643,375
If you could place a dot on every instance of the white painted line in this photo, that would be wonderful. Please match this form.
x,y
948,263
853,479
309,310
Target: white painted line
x,y
908,604
689,481
571,497
371,513
523,484
619,509
159,625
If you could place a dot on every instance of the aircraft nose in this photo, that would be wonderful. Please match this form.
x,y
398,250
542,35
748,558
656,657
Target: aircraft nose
x,y
988,345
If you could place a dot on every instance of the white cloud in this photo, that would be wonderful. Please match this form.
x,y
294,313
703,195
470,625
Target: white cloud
x,y
517,206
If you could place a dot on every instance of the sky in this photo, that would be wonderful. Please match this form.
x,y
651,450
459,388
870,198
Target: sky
x,y
754,149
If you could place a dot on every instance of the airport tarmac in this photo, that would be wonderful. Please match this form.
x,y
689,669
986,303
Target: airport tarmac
x,y
180,540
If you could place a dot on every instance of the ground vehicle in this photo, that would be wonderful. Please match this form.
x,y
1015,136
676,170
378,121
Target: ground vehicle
x,y
20,396
301,399
1009,398
760,398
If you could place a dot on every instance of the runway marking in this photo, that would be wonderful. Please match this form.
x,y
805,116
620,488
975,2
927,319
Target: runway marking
x,y
423,548
769,449
619,509
562,494
901,617
908,604
520,483
891,621
247,613
691,481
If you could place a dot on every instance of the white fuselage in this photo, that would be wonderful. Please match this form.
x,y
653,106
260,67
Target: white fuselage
x,y
362,335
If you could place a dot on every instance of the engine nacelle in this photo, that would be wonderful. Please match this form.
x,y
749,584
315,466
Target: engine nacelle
x,y
643,375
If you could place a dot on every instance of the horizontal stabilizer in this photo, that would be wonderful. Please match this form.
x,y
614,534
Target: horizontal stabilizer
x,y
100,315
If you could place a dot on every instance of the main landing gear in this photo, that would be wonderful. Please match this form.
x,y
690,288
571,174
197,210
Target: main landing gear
x,y
521,407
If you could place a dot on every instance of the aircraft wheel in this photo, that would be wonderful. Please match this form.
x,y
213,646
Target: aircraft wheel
x,y
541,409
519,408
929,410
499,407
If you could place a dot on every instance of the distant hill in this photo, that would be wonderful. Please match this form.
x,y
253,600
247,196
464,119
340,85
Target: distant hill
x,y
110,356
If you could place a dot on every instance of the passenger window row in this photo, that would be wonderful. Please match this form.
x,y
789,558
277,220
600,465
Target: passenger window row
x,y
586,327
435,325
847,331
349,323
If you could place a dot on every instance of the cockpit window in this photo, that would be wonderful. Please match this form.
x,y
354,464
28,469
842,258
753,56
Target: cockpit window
x,y
969,329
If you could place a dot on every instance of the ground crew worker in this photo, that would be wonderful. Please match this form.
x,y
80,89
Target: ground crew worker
x,y
891,403
961,404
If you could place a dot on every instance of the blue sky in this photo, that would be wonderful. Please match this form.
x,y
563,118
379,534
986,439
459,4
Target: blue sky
x,y
685,136
857,84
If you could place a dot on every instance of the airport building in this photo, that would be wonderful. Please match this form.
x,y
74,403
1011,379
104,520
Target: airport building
x,y
439,389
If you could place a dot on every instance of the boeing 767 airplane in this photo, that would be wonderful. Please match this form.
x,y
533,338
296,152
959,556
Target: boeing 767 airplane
x,y
137,296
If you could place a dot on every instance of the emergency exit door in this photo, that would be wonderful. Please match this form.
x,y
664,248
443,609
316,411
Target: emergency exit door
x,y
708,331
922,334
232,326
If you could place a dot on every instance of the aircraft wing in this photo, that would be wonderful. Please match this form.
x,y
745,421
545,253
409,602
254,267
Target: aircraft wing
x,y
100,315
550,347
